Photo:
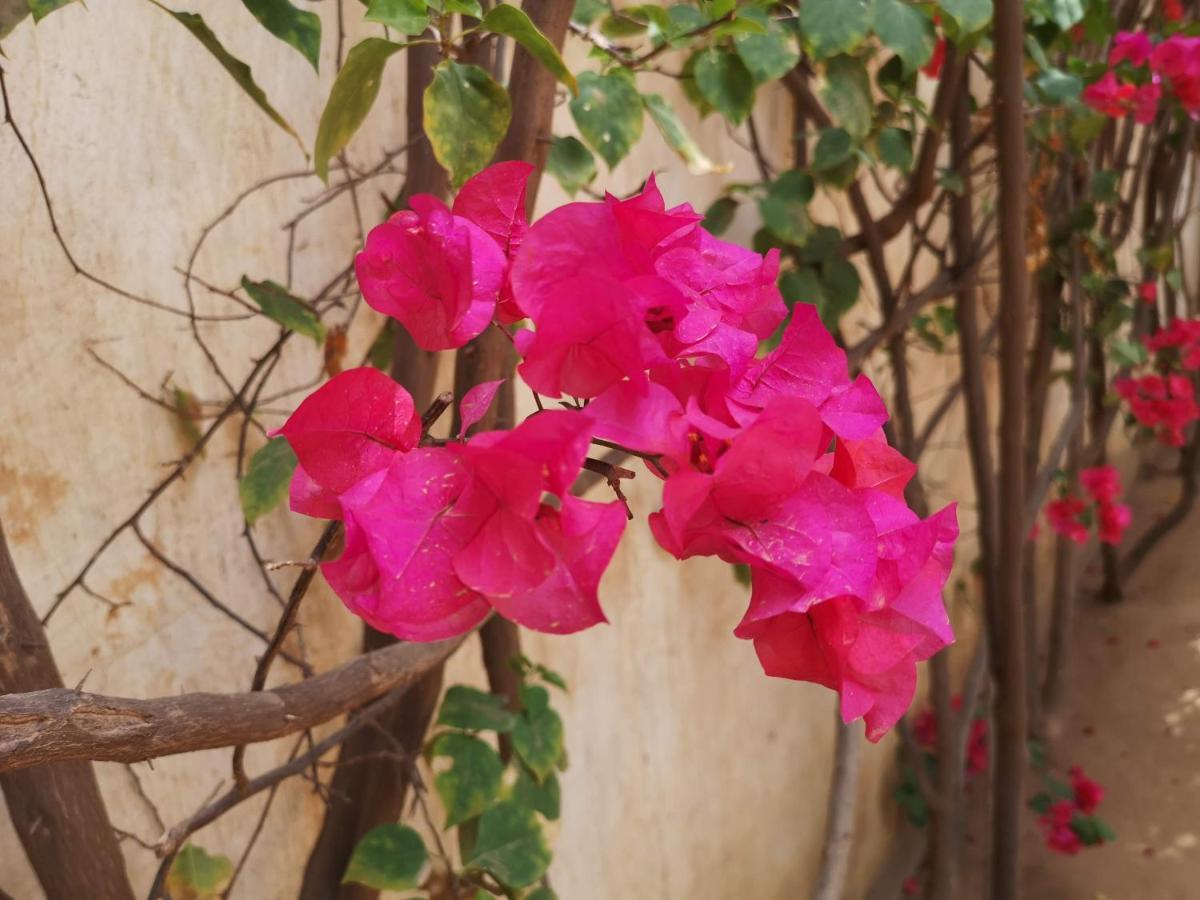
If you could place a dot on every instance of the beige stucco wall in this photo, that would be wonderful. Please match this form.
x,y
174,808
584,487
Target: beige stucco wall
x,y
692,775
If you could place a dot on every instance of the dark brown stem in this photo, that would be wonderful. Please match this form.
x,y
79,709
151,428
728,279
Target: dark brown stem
x,y
56,810
287,621
1009,664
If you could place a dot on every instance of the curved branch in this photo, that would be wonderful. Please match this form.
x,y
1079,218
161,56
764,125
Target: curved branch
x,y
48,726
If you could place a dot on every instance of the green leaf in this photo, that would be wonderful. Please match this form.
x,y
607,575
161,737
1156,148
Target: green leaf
x,y
43,8
1041,803
474,710
265,484
388,858
538,734
12,14
895,148
725,83
383,348
1066,13
511,21
1128,353
784,209
719,216
608,112
541,893
473,782
741,571
840,285
834,26
409,17
545,798
198,875
769,55
906,31
1057,86
676,135
510,846
834,147
350,100
847,93
239,71
587,11
297,27
571,163
466,117
1104,186
687,81
277,304
969,15
951,181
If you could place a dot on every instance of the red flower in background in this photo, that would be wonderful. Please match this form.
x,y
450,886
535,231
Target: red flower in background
x,y
1088,793
1063,515
1148,291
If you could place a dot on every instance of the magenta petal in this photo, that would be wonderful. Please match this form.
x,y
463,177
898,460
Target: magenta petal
x,y
308,498
494,199
768,461
856,411
636,418
396,569
352,426
440,275
556,440
475,404
806,364
504,557
583,538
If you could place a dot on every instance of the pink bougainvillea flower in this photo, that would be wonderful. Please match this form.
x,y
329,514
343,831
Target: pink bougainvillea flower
x,y
1172,10
581,537
808,364
396,569
349,428
308,498
868,657
522,554
1063,515
1134,47
475,404
1109,96
495,200
439,274
1145,102
1177,59
1088,793
872,463
583,348
1111,521
1103,483
1148,291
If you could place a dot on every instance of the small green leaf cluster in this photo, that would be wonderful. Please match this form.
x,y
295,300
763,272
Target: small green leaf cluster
x,y
497,806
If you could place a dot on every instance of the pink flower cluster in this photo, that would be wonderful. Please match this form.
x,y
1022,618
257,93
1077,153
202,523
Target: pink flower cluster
x,y
646,329
1173,62
1065,819
1068,514
1164,400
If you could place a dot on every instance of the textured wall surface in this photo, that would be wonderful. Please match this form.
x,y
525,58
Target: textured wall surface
x,y
692,775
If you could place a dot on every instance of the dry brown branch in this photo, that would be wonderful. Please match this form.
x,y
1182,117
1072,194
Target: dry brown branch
x,y
52,725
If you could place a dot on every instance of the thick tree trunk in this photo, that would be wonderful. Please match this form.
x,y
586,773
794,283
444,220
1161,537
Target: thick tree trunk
x,y
56,809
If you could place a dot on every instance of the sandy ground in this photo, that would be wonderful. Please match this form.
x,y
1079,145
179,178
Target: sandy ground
x,y
1132,721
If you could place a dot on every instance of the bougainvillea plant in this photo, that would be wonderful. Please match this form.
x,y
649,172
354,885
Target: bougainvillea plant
x,y
1071,516
1067,813
644,330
